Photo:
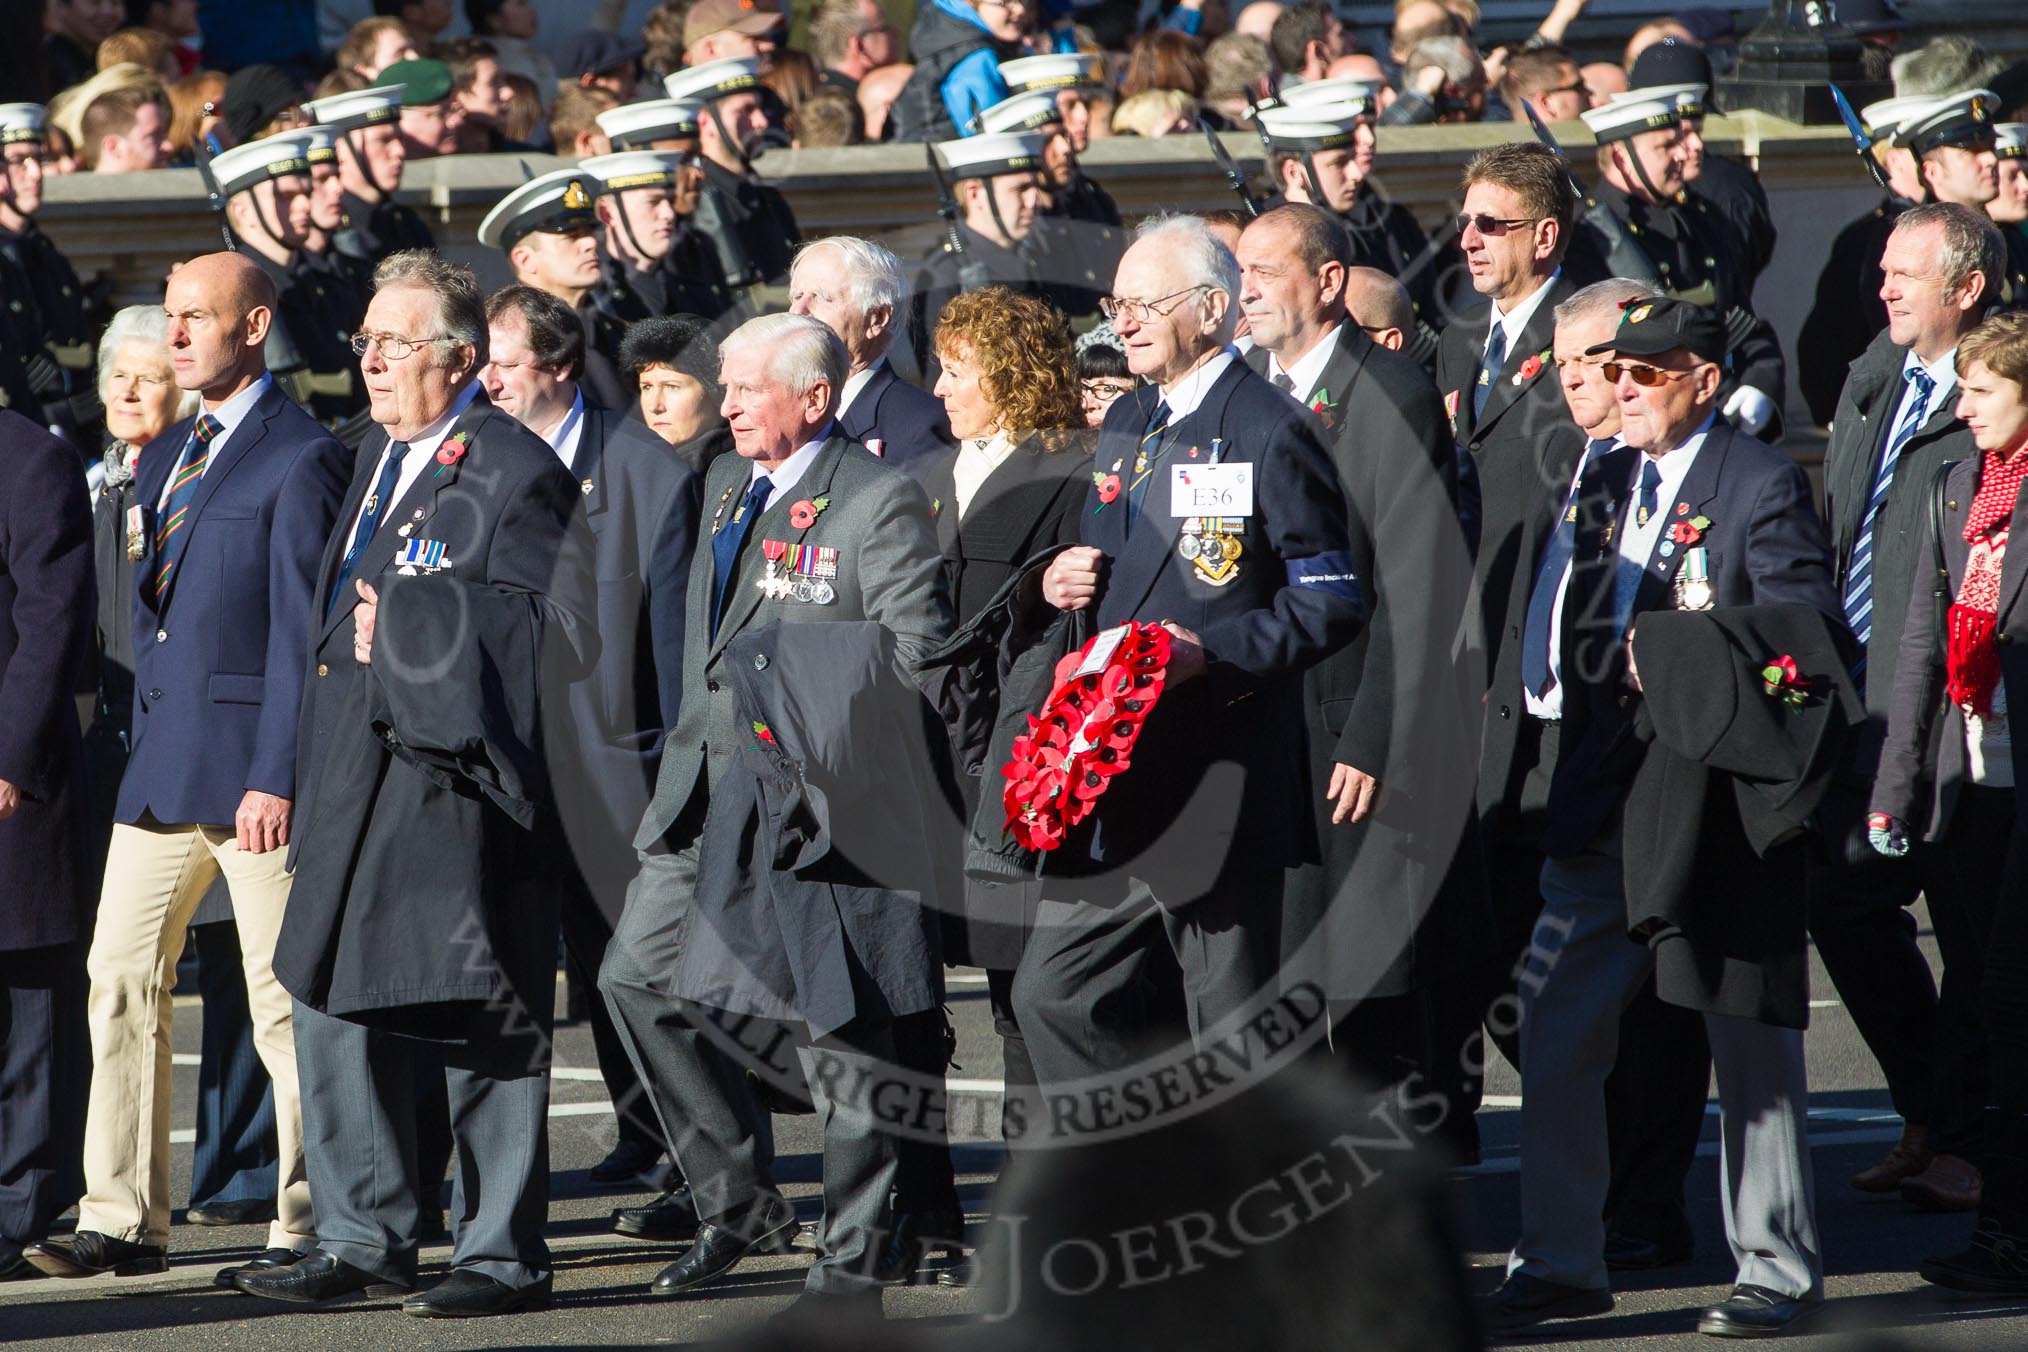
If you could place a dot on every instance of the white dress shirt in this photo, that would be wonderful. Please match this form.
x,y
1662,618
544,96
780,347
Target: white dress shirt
x,y
1637,541
784,476
1548,706
230,415
977,459
565,437
1309,368
422,452
1516,319
1186,394
1944,371
857,382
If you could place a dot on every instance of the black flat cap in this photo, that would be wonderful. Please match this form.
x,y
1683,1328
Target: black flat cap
x,y
1651,328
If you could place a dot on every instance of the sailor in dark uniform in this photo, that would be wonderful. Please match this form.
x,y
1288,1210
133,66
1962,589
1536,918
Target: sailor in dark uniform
x,y
734,200
370,159
1079,227
325,293
2009,211
1692,251
265,186
548,229
652,259
1062,79
1848,311
997,179
1320,151
1673,65
58,317
1956,152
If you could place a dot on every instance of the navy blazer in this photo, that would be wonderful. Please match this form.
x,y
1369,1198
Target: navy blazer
x,y
1292,602
903,425
1765,546
218,666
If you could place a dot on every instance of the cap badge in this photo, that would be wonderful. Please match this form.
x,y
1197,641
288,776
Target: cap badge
x,y
1637,316
575,198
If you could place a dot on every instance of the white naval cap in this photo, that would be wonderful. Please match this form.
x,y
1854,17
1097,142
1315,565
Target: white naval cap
x,y
1030,111
714,79
1057,70
1952,120
556,202
278,156
1322,126
1632,113
633,126
21,122
322,145
1881,120
1689,99
992,154
627,169
1346,90
357,107
2010,140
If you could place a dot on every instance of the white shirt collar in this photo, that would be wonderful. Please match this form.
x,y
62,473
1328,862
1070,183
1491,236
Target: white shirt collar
x,y
857,382
1674,465
1944,371
233,411
432,437
566,435
785,476
1309,368
1187,393
1516,319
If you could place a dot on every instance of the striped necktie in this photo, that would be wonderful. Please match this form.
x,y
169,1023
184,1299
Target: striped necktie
x,y
1859,575
1489,369
1145,461
172,531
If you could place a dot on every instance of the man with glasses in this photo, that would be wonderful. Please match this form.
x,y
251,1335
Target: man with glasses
x,y
1259,592
1387,713
549,232
455,584
1687,515
370,159
58,316
1545,79
1692,253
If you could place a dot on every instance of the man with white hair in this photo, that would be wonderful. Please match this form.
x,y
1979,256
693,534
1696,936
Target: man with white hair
x,y
1267,589
803,527
858,288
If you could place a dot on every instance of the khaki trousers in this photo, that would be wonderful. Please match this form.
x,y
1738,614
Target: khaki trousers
x,y
155,876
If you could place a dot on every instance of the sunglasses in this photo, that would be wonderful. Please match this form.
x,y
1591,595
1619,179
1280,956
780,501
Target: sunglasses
x,y
1648,377
1491,225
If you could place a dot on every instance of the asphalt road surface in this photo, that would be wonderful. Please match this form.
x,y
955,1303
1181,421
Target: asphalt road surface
x,y
1870,1243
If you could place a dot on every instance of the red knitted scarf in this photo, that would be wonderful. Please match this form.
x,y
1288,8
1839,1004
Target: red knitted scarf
x,y
1972,658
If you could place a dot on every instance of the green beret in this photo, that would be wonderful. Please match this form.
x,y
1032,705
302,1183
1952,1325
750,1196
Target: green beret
x,y
423,81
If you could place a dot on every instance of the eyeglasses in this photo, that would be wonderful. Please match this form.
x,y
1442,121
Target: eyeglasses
x,y
1105,391
393,346
1117,308
1647,377
1491,225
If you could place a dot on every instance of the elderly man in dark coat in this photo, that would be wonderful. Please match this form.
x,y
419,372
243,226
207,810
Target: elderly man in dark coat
x,y
46,606
457,579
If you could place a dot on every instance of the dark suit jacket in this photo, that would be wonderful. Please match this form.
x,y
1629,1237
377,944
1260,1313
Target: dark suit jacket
x,y
1391,703
46,610
218,666
1859,436
641,503
903,425
1765,546
1032,500
421,891
1848,313
1294,600
1924,762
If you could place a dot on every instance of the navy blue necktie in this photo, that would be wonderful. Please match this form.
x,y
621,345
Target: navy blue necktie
x,y
730,540
1489,370
1536,673
377,504
1627,578
1146,457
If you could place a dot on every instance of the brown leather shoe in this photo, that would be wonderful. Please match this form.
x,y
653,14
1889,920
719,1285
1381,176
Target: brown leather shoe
x,y
1949,1184
1910,1156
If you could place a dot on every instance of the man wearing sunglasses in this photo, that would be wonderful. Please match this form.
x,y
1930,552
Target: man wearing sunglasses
x,y
1687,515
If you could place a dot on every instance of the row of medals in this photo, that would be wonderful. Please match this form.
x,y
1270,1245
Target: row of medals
x,y
783,580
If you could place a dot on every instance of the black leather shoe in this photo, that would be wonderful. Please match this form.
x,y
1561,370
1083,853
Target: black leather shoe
x,y
718,1249
1995,1264
914,1234
473,1295
89,1253
672,1216
628,1162
253,1211
1522,1302
319,1278
1755,1312
1636,1253
13,1266
269,1260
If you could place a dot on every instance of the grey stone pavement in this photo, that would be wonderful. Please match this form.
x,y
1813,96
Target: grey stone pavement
x,y
1870,1244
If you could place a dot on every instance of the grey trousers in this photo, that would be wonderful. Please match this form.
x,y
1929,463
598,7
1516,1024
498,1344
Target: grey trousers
x,y
1582,973
1083,993
359,1135
860,1161
722,1139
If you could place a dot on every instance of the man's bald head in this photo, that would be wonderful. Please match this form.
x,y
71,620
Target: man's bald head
x,y
220,307
1379,305
1258,19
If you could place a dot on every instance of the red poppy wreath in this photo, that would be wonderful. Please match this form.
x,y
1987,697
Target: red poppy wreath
x,y
1083,737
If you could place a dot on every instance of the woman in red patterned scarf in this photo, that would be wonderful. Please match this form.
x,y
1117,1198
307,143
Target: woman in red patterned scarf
x,y
1949,770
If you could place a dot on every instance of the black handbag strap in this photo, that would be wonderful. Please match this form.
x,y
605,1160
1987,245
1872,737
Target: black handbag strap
x,y
1939,491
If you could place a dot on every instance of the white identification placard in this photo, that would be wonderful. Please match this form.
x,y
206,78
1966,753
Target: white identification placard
x,y
1102,649
1211,490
